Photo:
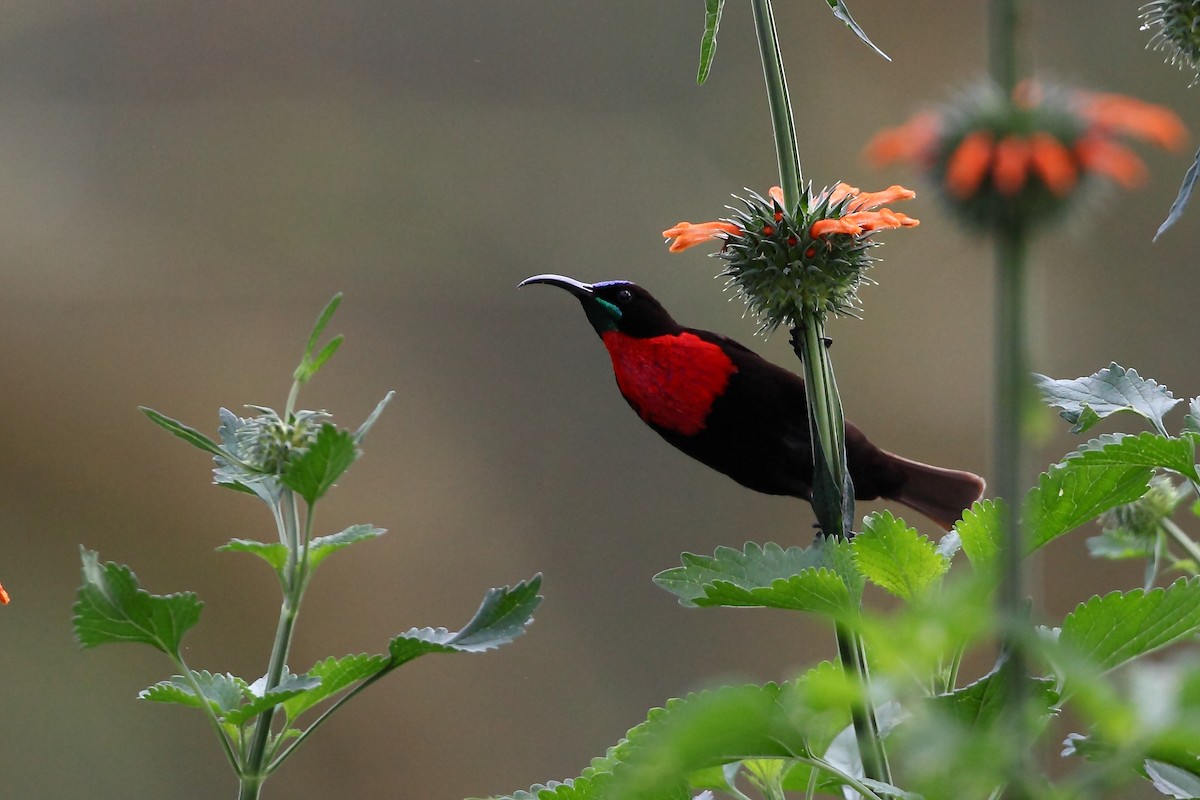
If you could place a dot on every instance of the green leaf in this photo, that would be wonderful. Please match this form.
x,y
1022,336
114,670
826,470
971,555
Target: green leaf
x,y
896,557
323,546
843,13
502,616
980,704
335,674
1171,780
308,365
981,531
1181,199
222,692
1146,449
188,434
112,608
361,433
1191,422
1118,543
1085,401
1119,627
274,553
820,578
1076,492
259,700
315,472
708,44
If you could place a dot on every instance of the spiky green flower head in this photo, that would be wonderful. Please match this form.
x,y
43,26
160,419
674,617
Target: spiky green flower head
x,y
1176,26
1014,164
267,442
1143,517
792,264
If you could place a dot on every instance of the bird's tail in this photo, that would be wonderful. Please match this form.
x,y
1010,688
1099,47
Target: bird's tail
x,y
938,493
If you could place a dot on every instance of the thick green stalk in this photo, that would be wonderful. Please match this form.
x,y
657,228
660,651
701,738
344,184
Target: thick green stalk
x,y
833,496
255,771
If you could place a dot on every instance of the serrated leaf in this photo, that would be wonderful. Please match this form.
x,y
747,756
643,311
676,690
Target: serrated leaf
x,y
502,616
1085,401
819,578
894,556
1191,421
223,692
843,13
982,532
1119,627
369,422
324,546
315,472
708,43
1146,449
188,434
259,700
274,553
1181,199
1076,492
112,608
335,675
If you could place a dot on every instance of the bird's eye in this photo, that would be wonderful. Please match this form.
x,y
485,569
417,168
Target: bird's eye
x,y
624,296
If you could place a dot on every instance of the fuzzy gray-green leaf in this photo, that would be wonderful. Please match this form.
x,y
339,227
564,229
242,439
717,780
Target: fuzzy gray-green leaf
x,y
222,692
1085,401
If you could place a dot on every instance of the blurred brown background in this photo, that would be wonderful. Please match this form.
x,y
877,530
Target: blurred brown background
x,y
182,187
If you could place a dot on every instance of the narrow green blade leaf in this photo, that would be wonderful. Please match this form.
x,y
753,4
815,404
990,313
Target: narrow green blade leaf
x,y
820,578
188,434
315,472
326,353
843,13
708,44
502,616
306,369
361,433
981,532
1076,492
323,546
222,692
259,701
112,608
1146,449
1119,627
274,553
1085,401
896,557
1181,199
335,675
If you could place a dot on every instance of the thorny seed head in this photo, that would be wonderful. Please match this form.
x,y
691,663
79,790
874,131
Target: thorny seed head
x,y
270,443
1176,26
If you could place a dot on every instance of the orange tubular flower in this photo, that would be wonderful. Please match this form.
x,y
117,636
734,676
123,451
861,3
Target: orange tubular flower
x,y
1011,163
791,263
4,598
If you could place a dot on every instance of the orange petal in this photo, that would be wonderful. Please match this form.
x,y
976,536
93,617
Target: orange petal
x,y
688,235
776,194
866,200
1105,156
1117,113
1011,166
969,163
841,191
4,598
912,141
1052,162
862,222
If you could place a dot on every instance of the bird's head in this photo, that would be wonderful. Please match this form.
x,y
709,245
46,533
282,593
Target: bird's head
x,y
615,306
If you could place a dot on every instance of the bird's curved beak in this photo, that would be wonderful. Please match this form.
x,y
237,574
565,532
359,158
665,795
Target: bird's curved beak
x,y
578,288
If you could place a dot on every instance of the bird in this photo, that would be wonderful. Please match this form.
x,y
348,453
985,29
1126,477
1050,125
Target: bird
x,y
729,408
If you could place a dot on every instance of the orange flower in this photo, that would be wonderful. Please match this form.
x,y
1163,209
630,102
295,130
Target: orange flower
x,y
4,598
1105,156
1011,165
687,234
969,164
1115,113
862,222
1052,162
908,142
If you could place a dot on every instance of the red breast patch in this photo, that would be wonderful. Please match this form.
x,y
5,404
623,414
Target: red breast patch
x,y
672,380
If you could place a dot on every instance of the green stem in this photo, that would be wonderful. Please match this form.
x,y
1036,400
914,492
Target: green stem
x,y
255,773
209,712
786,150
1185,541
1004,23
